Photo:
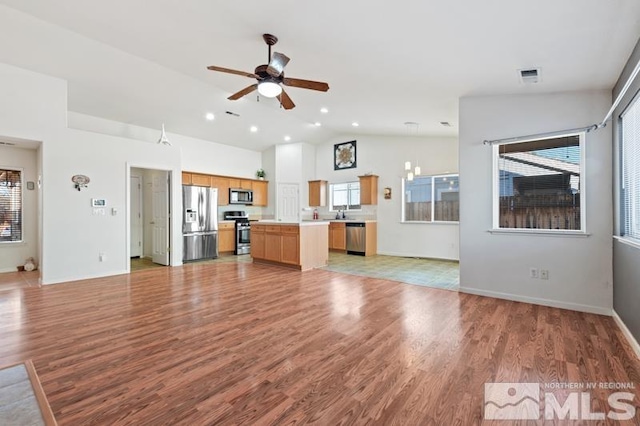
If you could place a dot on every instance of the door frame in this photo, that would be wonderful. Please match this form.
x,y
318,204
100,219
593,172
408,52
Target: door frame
x,y
140,212
173,246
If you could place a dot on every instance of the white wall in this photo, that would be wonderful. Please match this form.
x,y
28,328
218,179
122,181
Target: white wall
x,y
34,107
14,254
385,157
580,270
197,155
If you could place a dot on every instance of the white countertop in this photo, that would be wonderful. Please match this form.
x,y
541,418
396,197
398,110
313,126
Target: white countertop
x,y
303,223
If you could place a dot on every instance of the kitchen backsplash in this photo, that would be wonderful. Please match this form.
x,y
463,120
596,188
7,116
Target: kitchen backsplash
x,y
367,213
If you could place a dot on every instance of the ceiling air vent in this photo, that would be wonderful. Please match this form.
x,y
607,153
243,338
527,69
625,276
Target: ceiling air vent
x,y
445,123
233,113
7,143
530,75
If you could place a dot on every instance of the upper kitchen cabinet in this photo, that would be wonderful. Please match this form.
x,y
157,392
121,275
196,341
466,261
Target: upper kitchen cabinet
x,y
222,184
260,192
317,193
200,180
186,178
368,189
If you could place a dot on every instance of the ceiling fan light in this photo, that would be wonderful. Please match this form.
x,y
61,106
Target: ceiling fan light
x,y
269,89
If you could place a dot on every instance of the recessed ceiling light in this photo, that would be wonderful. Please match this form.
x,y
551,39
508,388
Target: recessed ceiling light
x,y
253,129
287,138
324,110
318,124
355,124
210,116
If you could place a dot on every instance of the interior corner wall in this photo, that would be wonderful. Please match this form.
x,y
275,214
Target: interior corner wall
x,y
497,265
14,254
269,166
385,156
34,107
626,258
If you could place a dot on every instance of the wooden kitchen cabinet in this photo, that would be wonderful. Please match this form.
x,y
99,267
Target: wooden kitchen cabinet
x,y
186,178
222,184
200,180
337,236
258,241
260,193
290,250
368,189
272,245
302,247
226,237
317,193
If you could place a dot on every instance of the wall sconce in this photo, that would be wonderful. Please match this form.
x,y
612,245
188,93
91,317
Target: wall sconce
x,y
80,181
387,193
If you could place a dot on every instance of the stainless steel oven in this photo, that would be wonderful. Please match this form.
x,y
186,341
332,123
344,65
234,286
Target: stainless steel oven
x,y
242,231
243,236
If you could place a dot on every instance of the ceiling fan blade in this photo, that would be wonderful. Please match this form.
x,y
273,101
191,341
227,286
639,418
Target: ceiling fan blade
x,y
243,92
286,101
306,84
230,71
277,64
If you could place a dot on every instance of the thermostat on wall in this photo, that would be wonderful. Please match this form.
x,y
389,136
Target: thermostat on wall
x,y
98,202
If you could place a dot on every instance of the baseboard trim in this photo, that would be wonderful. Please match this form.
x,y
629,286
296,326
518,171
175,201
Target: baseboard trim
x,y
4,270
420,256
537,301
623,327
82,278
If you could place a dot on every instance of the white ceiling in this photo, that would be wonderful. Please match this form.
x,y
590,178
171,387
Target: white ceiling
x,y
386,63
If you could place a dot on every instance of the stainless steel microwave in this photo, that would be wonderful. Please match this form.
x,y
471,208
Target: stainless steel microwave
x,y
240,196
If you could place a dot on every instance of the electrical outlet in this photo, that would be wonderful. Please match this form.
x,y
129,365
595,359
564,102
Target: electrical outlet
x,y
544,274
533,272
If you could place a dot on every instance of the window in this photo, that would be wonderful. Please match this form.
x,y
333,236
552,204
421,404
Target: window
x,y
344,196
431,199
539,184
630,193
10,205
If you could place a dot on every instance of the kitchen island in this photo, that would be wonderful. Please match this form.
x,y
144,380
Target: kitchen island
x,y
299,245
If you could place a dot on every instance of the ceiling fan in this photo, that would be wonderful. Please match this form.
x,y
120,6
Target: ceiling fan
x,y
271,78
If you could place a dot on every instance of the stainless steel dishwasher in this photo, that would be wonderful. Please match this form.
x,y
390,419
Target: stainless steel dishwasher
x,y
356,238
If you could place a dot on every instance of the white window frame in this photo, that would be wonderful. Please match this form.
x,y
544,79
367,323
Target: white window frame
x,y
583,192
331,209
433,201
22,196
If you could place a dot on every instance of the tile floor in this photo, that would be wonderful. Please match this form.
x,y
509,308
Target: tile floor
x,y
426,272
436,273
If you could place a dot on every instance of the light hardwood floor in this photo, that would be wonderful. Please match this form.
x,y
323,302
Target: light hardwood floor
x,y
237,343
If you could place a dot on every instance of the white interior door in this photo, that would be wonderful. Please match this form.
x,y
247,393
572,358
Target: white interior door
x,y
288,202
136,216
160,217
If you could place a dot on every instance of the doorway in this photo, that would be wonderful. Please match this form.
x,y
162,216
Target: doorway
x,y
149,218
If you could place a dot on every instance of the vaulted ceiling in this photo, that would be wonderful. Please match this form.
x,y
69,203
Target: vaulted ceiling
x,y
386,63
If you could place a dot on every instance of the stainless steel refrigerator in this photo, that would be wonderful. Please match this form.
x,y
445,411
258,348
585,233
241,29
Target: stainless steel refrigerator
x,y
199,223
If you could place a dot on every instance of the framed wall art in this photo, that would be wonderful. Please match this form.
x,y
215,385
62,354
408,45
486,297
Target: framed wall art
x,y
344,155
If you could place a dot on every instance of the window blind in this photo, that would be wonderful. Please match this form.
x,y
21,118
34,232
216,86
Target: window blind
x,y
10,205
631,170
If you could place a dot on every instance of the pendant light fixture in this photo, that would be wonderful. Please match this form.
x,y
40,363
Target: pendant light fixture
x,y
412,130
164,140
